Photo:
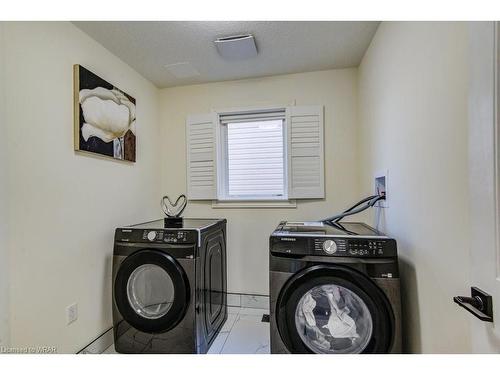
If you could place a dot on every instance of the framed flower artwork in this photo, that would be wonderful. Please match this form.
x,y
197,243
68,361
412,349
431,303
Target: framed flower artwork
x,y
104,117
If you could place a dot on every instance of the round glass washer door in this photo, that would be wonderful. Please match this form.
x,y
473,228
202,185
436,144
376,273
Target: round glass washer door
x,y
150,291
331,319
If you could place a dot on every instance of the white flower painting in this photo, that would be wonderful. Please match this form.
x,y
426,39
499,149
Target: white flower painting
x,y
104,117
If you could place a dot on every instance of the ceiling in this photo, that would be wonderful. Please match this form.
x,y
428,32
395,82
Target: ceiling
x,y
283,47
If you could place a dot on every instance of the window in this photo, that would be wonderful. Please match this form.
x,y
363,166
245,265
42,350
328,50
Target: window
x,y
252,157
256,155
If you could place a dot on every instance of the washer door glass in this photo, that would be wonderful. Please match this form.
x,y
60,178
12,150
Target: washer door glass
x,y
150,291
332,319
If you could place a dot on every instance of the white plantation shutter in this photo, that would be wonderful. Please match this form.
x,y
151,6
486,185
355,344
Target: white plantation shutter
x,y
201,156
305,152
255,158
272,114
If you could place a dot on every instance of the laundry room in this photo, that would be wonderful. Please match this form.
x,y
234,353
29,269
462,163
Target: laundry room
x,y
239,185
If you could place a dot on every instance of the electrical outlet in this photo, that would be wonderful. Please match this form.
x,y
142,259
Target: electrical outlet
x,y
71,313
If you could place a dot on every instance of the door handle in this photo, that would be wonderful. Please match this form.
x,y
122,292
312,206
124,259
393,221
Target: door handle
x,y
479,304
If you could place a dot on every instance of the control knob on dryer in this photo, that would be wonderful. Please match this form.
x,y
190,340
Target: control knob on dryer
x,y
152,235
330,247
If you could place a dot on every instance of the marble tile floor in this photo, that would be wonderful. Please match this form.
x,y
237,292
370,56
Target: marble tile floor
x,y
243,333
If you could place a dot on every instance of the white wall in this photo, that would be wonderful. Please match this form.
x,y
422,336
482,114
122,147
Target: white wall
x,y
249,229
483,176
64,206
413,122
4,255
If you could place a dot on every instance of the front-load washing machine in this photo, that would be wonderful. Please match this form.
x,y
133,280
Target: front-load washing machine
x,y
334,289
169,286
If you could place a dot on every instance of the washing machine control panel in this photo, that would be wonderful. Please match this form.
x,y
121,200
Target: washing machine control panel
x,y
357,247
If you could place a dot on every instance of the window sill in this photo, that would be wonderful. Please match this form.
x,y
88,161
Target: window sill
x,y
291,203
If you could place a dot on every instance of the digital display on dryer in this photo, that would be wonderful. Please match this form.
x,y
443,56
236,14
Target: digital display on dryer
x,y
176,237
366,247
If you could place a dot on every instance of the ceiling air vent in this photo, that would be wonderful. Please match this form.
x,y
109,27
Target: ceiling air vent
x,y
236,47
182,70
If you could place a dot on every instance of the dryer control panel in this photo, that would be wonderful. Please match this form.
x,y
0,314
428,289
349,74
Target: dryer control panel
x,y
164,236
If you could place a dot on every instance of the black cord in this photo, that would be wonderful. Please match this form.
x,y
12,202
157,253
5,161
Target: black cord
x,y
337,225
353,207
370,203
361,201
352,210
